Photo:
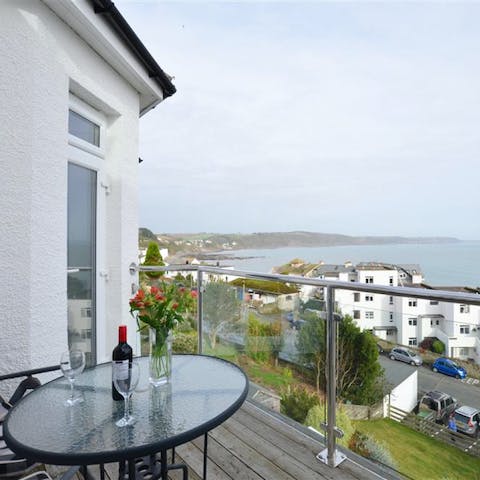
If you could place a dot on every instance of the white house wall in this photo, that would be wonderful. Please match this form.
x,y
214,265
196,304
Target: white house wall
x,y
42,59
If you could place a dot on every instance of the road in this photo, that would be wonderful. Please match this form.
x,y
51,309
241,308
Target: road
x,y
466,393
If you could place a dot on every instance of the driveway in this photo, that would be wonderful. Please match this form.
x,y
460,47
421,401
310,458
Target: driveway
x,y
466,393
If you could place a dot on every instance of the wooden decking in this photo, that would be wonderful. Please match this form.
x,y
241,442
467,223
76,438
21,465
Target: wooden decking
x,y
257,445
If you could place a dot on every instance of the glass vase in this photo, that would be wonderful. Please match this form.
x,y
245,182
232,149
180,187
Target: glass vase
x,y
160,356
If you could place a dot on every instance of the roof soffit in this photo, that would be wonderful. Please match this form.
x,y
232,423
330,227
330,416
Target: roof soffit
x,y
102,38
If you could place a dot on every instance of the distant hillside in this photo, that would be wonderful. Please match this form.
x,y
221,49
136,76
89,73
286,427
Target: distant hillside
x,y
205,242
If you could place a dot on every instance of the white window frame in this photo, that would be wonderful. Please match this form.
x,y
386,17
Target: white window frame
x,y
369,298
369,279
464,329
90,156
412,302
88,112
412,341
412,322
369,315
464,308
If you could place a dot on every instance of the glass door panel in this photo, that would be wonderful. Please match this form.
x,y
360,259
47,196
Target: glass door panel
x,y
81,274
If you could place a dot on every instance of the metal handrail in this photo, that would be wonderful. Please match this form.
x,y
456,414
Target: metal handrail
x,y
410,292
330,455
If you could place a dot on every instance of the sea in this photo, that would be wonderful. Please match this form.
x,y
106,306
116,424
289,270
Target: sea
x,y
442,264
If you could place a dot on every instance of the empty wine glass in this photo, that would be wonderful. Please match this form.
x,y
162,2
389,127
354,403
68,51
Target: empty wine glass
x,y
125,379
72,363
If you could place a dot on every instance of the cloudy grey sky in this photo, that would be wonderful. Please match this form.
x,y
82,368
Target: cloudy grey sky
x,y
344,117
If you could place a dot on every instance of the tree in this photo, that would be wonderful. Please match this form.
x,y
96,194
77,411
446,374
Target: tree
x,y
221,307
153,258
359,375
311,347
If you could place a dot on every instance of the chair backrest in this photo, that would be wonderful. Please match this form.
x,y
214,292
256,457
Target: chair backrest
x,y
11,465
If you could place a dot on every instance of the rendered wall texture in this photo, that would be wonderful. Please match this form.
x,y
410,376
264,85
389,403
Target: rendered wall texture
x,y
42,59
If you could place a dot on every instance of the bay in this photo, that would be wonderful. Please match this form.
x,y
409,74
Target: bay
x,y
448,264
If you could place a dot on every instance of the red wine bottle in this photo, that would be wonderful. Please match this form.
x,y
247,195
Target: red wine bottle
x,y
122,359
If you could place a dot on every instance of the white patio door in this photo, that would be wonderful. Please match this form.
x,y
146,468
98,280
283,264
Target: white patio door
x,y
86,228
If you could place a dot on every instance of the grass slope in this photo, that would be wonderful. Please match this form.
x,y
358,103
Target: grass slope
x,y
419,456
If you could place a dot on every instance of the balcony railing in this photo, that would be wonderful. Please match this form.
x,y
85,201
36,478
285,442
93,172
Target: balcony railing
x,y
324,292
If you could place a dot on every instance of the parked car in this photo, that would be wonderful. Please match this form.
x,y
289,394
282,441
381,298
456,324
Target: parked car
x,y
448,367
467,420
405,355
436,406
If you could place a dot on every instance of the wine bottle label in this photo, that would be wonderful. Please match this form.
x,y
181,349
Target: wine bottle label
x,y
120,369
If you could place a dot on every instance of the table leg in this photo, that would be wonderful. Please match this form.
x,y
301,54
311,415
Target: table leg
x,y
205,446
163,465
131,469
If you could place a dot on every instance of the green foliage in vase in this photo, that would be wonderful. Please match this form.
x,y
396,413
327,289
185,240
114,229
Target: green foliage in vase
x,y
162,307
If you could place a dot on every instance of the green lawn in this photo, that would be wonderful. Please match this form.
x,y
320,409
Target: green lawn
x,y
419,456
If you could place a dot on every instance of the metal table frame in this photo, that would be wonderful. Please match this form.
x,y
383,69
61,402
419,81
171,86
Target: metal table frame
x,y
129,455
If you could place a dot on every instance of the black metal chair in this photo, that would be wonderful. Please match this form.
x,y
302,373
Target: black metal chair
x,y
11,465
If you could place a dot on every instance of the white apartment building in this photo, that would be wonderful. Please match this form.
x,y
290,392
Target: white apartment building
x,y
402,320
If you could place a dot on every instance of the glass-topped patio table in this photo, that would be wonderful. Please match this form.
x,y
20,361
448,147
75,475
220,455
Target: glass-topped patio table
x,y
203,392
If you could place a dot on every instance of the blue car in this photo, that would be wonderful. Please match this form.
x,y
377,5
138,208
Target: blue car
x,y
448,367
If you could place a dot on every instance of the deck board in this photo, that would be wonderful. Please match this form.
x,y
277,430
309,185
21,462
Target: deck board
x,y
255,444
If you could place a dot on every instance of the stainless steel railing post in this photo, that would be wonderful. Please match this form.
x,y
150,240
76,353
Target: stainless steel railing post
x,y
330,455
200,310
331,376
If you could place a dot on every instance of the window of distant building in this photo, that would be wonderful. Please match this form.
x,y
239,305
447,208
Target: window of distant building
x,y
390,301
433,302
412,302
412,341
356,314
356,297
369,298
369,315
465,329
437,322
464,308
391,316
412,321
390,280
368,279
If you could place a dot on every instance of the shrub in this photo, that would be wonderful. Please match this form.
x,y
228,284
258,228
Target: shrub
x,y
153,258
257,346
438,346
426,343
296,402
369,447
185,342
316,416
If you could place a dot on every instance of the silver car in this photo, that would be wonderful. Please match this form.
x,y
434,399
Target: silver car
x,y
405,355
467,420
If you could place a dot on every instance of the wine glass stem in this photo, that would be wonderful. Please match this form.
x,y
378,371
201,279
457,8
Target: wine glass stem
x,y
125,415
72,382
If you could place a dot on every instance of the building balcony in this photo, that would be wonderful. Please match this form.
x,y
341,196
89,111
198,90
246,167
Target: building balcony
x,y
303,409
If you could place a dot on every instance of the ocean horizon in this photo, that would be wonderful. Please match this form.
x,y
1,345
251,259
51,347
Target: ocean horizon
x,y
442,264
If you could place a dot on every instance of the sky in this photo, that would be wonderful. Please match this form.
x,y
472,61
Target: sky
x,y
360,118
